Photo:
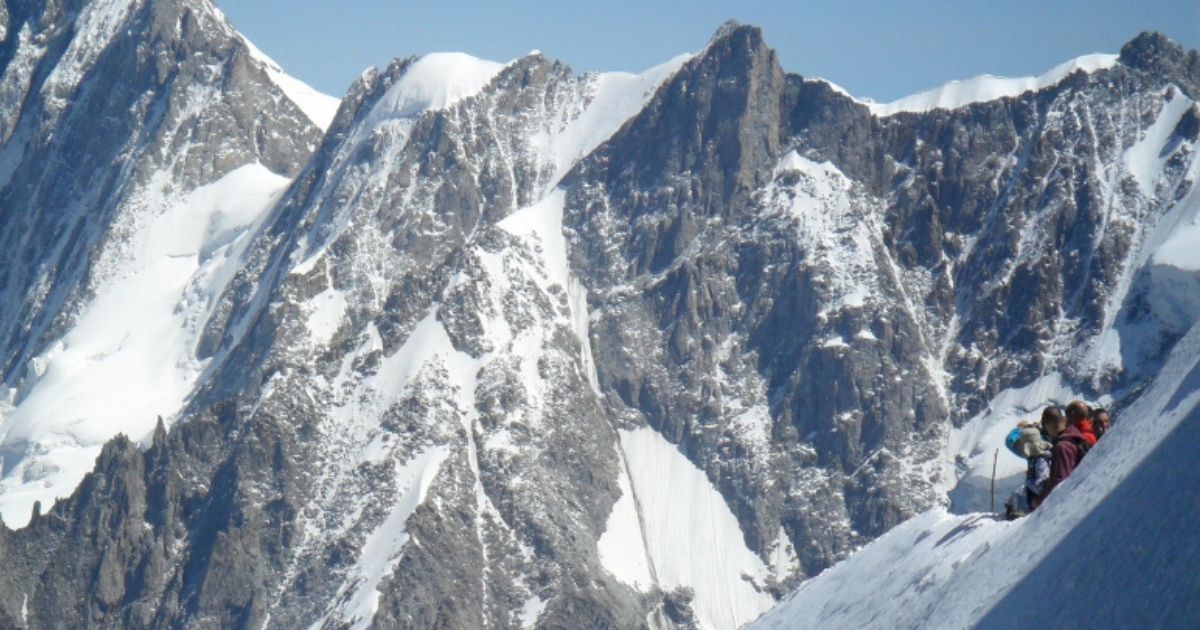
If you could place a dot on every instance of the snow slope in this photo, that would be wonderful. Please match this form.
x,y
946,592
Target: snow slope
x,y
437,81
691,537
131,355
617,97
987,87
1097,543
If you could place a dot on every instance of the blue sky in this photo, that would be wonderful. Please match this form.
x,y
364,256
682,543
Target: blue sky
x,y
883,50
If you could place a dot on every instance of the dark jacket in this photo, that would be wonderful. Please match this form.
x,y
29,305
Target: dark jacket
x,y
1064,457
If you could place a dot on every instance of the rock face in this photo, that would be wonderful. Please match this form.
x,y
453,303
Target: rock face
x,y
120,122
525,347
88,121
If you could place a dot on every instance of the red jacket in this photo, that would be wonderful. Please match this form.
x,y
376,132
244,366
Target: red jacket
x,y
1089,433
1064,457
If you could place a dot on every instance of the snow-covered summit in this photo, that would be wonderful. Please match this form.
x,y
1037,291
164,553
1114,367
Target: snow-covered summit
x,y
437,81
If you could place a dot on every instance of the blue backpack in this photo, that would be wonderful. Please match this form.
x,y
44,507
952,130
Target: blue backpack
x,y
1011,441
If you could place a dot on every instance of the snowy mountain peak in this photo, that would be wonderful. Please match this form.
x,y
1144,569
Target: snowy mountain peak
x,y
436,81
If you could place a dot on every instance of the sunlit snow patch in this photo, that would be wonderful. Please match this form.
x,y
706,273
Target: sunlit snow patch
x,y
325,312
618,96
1145,159
622,546
130,357
692,537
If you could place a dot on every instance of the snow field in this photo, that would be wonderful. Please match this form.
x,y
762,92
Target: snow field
x,y
131,355
1145,160
622,547
685,535
617,97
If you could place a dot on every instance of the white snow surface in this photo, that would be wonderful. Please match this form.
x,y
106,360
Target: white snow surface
x,y
1174,260
1117,543
130,357
325,312
437,81
988,87
1145,159
543,222
1182,251
532,609
622,546
692,538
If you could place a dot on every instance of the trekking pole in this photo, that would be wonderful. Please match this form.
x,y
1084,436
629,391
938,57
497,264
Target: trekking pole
x,y
995,456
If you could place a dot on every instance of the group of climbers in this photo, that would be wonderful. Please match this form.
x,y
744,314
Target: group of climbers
x,y
1053,449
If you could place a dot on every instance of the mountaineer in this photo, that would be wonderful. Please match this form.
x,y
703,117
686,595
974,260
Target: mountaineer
x,y
1069,447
